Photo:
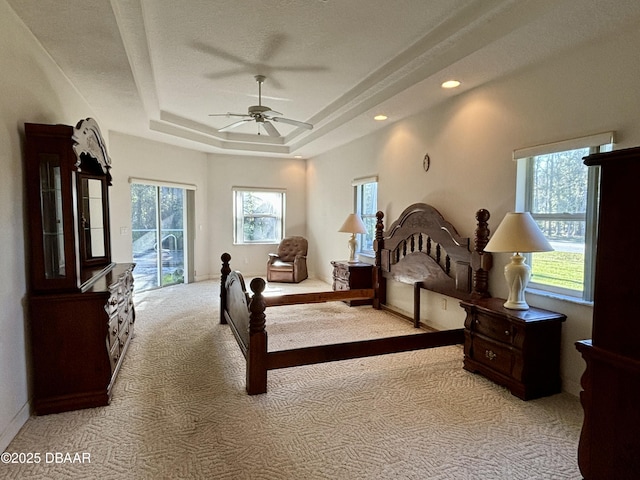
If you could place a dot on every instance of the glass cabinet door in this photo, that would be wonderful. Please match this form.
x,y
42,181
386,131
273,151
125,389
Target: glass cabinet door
x,y
53,240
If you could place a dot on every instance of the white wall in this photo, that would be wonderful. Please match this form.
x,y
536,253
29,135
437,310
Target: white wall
x,y
470,139
134,157
33,90
227,171
214,176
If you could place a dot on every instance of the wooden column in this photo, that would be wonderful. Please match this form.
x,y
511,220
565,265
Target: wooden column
x,y
379,282
257,352
224,273
481,261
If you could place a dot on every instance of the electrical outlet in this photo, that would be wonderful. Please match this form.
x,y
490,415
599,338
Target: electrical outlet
x,y
443,303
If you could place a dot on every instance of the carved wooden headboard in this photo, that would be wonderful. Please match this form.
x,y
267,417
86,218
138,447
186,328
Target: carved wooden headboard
x,y
423,249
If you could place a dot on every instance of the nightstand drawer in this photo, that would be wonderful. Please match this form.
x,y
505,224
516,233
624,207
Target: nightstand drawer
x,y
340,285
493,327
493,355
341,272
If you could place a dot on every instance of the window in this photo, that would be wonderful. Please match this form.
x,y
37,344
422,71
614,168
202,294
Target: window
x,y
366,192
258,215
562,195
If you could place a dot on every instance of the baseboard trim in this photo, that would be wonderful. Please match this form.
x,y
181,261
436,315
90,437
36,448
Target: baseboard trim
x,y
12,429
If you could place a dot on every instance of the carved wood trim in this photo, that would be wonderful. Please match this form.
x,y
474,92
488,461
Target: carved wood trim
x,y
89,141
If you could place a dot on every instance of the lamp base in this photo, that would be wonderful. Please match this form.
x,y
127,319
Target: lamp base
x,y
517,274
353,245
516,305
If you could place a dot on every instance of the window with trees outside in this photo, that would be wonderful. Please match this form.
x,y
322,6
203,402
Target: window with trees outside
x,y
366,199
258,215
561,193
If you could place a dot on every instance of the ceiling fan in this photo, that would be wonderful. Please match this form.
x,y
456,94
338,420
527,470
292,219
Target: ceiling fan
x,y
260,114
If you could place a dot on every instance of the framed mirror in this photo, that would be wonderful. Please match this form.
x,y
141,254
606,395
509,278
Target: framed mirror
x,y
93,220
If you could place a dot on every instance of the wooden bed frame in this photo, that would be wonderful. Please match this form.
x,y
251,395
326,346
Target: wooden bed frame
x,y
420,248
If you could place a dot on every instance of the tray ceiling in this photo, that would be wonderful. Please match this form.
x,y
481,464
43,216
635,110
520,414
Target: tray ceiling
x,y
157,69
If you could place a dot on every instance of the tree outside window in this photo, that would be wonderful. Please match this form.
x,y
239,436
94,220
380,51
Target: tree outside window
x,y
259,216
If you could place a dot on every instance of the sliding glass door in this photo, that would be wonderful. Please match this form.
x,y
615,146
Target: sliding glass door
x,y
158,227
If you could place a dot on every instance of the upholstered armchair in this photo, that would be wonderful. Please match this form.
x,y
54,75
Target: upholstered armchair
x,y
290,263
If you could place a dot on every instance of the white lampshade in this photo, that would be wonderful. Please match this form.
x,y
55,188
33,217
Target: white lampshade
x,y
518,233
353,224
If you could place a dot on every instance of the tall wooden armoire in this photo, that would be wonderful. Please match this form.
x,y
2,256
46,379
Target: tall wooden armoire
x,y
610,439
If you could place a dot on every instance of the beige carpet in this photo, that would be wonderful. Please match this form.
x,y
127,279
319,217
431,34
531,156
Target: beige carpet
x,y
180,411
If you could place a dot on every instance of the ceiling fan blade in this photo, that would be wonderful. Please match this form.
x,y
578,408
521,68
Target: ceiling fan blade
x,y
296,123
228,115
235,124
271,130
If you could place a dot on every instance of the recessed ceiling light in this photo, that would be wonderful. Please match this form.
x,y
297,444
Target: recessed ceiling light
x,y
380,117
451,84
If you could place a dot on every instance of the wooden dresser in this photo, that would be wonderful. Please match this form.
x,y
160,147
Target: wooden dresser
x,y
80,303
519,349
610,438
350,276
79,341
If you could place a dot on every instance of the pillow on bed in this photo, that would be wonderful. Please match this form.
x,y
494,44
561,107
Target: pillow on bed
x,y
418,267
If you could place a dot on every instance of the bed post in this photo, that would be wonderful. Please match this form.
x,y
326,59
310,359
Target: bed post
x,y
224,273
379,281
481,261
257,351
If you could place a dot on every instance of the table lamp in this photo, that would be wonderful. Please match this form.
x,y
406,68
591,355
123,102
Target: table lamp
x,y
518,233
353,224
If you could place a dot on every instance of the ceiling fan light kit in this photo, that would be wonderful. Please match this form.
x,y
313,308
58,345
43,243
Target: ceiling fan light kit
x,y
261,114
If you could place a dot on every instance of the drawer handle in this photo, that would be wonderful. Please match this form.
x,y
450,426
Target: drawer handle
x,y
507,333
490,355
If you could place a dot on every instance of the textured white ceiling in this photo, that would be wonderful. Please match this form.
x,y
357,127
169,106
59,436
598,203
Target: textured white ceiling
x,y
158,68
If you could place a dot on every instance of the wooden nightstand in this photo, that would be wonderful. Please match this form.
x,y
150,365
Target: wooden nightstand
x,y
519,349
349,276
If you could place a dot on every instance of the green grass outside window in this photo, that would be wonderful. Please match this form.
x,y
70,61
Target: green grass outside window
x,y
559,269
